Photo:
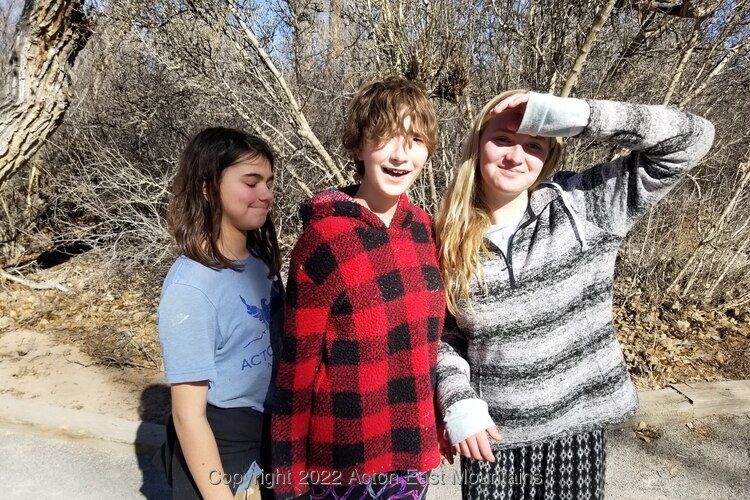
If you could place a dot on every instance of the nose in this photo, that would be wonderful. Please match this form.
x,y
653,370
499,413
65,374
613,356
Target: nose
x,y
266,194
515,153
398,153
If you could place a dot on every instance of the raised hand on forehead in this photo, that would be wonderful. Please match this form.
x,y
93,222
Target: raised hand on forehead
x,y
515,105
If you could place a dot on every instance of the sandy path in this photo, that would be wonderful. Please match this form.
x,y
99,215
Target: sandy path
x,y
32,365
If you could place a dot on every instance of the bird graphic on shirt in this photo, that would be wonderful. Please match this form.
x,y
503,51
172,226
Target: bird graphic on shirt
x,y
262,314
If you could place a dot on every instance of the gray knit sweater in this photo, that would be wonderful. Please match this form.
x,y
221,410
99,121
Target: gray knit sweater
x,y
540,348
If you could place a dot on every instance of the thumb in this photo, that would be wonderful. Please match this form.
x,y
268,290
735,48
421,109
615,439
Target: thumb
x,y
492,431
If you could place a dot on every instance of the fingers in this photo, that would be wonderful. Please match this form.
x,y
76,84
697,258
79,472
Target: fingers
x,y
478,446
464,448
444,446
476,454
446,452
494,434
485,450
516,101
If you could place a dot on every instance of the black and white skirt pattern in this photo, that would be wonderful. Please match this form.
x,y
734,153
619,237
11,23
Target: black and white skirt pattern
x,y
569,468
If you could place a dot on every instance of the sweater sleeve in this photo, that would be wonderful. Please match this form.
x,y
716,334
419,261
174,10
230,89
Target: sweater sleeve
x,y
664,143
305,319
551,116
464,413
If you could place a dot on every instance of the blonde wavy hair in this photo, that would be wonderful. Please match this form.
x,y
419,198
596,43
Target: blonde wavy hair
x,y
464,216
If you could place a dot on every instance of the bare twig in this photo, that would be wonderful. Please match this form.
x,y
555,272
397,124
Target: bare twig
x,y
45,285
713,231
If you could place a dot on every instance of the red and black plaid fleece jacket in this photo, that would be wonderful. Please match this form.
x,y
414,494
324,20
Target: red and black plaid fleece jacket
x,y
364,312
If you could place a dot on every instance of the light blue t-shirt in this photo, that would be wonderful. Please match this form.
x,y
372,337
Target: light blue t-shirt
x,y
215,325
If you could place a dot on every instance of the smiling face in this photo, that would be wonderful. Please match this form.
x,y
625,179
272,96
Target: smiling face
x,y
246,194
391,167
509,162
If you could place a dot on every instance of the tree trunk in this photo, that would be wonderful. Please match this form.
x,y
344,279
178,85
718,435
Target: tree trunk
x,y
303,23
335,31
49,36
583,54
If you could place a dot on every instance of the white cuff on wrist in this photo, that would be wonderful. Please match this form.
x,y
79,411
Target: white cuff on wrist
x,y
551,116
465,418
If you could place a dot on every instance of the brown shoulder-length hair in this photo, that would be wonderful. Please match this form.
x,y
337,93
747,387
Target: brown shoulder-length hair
x,y
194,213
377,112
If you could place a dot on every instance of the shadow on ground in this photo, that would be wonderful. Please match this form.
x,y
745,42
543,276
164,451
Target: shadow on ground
x,y
155,407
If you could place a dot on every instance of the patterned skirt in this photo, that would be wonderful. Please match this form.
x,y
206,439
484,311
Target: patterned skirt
x,y
569,468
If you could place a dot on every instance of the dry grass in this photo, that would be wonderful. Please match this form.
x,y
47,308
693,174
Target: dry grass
x,y
113,321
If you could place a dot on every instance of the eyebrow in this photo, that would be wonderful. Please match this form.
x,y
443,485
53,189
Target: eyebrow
x,y
257,176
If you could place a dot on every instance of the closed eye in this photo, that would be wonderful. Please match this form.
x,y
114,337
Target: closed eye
x,y
268,185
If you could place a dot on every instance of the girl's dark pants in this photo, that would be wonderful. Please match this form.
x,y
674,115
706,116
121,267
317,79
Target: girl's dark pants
x,y
243,435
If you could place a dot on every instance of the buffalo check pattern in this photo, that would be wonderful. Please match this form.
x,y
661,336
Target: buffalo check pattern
x,y
364,312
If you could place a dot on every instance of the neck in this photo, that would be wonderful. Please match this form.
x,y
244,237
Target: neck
x,y
503,209
233,243
381,206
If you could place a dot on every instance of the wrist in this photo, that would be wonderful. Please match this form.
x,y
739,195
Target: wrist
x,y
466,418
551,116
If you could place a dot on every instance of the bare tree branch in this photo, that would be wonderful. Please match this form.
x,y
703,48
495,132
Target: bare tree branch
x,y
680,69
45,285
583,54
713,231
294,109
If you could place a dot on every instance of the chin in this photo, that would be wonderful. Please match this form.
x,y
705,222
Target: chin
x,y
505,190
395,192
256,225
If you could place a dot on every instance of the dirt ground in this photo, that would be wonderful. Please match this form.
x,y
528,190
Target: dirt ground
x,y
95,347
34,365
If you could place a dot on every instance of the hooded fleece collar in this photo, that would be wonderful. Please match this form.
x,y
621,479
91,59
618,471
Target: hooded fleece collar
x,y
341,203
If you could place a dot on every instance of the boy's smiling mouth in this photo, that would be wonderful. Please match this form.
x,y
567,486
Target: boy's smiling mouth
x,y
394,172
